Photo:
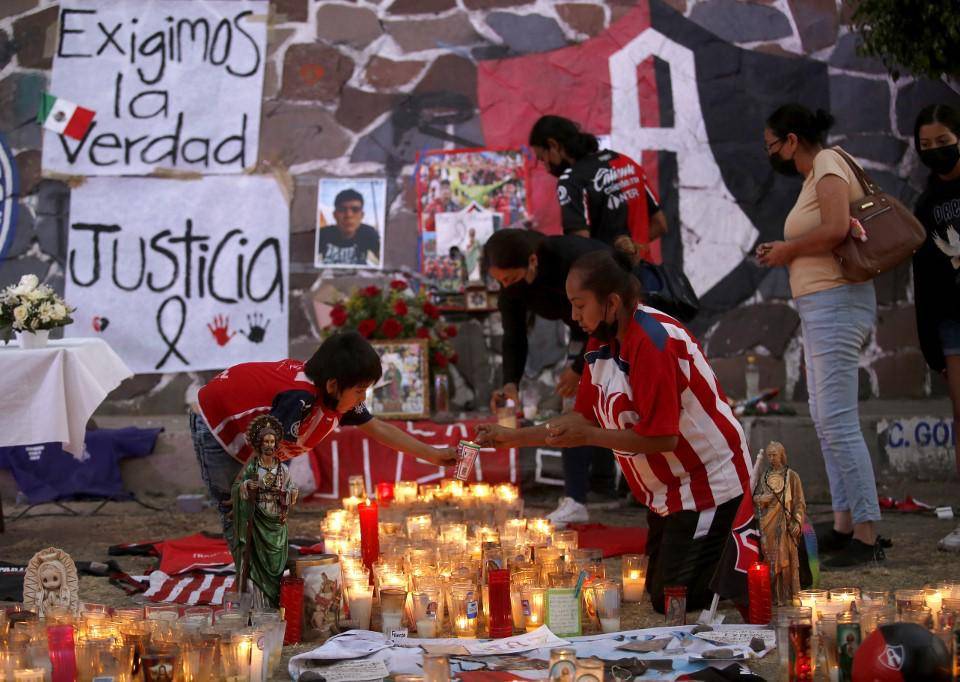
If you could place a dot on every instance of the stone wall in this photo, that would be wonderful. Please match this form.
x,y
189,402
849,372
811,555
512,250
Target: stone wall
x,y
357,88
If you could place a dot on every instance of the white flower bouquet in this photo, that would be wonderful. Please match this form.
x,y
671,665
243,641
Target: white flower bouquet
x,y
31,307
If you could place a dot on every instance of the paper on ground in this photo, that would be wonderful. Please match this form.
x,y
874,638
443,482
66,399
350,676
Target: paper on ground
x,y
353,671
541,638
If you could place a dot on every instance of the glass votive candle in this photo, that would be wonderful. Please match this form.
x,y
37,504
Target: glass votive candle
x,y
532,600
392,601
845,594
908,599
877,596
356,486
933,599
165,612
465,611
675,605
405,492
360,604
811,599
29,675
921,615
606,597
128,613
634,567
436,668
516,606
782,617
425,611
351,503
563,663
565,540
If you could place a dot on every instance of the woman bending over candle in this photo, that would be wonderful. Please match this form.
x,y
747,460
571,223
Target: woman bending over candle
x,y
648,393
309,399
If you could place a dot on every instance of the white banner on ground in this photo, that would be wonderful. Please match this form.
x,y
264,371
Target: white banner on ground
x,y
180,274
174,85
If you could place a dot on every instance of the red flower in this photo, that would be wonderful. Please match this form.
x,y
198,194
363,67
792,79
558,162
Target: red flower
x,y
439,360
338,315
454,358
367,327
398,285
423,333
400,308
451,330
391,328
371,291
431,310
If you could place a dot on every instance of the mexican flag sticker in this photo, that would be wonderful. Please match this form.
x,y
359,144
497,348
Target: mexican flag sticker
x,y
63,117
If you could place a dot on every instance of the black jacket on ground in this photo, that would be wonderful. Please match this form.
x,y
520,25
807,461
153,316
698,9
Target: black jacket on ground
x,y
936,282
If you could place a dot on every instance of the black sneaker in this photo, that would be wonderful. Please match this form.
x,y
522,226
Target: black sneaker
x,y
856,553
829,539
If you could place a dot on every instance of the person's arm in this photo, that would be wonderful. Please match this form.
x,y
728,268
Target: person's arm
x,y
513,314
833,198
570,433
658,221
398,439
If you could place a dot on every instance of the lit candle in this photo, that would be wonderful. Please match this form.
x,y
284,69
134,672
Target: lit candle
x,y
405,492
498,599
427,627
257,662
369,532
758,590
934,600
350,504
360,603
385,492
634,577
532,606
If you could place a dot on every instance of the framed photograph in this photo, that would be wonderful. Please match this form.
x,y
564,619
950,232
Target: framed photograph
x,y
351,215
477,299
403,391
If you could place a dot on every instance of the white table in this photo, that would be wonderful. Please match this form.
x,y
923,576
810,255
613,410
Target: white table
x,y
49,394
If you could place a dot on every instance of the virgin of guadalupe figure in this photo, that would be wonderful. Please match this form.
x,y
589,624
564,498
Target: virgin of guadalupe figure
x,y
780,509
261,495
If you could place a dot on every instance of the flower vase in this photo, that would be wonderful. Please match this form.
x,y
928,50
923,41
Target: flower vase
x,y
32,340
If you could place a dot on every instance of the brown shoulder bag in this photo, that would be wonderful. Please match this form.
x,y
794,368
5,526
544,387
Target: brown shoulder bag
x,y
892,232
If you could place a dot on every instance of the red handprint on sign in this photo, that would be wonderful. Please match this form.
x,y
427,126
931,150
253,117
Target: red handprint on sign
x,y
221,330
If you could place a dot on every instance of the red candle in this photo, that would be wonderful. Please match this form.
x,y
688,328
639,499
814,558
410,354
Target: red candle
x,y
758,589
369,532
801,659
385,492
291,601
501,618
61,649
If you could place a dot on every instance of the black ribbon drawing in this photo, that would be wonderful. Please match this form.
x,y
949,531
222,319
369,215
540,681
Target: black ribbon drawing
x,y
172,343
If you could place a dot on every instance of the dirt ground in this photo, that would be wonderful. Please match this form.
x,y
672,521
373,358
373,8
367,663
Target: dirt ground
x,y
913,561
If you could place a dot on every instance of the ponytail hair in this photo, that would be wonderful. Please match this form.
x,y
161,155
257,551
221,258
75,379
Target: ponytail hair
x,y
809,126
608,272
566,133
511,248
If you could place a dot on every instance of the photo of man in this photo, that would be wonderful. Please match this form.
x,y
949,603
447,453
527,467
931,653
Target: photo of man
x,y
350,242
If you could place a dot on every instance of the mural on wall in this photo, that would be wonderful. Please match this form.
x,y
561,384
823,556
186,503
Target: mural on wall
x,y
691,106
9,189
173,85
180,274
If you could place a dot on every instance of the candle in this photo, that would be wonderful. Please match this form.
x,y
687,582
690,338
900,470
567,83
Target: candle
x,y
608,625
427,627
357,487
405,492
532,602
369,532
360,603
801,657
62,657
758,589
436,668
934,600
634,577
392,603
257,662
351,503
28,675
291,603
385,492
500,617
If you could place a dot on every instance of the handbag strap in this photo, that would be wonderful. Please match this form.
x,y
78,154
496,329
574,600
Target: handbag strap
x,y
866,183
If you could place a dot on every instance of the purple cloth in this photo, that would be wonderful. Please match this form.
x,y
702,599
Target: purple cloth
x,y
45,473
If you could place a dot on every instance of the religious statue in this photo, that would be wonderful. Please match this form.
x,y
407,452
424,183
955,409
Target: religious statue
x,y
261,495
780,511
50,583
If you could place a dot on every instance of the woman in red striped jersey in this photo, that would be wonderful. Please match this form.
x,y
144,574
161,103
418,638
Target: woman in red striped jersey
x,y
648,393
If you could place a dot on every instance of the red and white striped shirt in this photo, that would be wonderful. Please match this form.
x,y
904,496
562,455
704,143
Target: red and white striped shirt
x,y
658,383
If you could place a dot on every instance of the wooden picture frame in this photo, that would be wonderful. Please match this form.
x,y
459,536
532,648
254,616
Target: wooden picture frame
x,y
403,391
477,299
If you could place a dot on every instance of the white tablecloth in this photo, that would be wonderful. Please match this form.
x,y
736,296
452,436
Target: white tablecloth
x,y
49,394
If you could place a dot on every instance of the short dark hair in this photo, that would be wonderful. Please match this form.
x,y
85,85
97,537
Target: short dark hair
x,y
511,248
347,195
566,133
608,272
444,182
937,113
809,126
346,357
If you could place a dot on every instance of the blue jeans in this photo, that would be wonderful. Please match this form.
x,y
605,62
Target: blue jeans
x,y
585,466
218,470
835,325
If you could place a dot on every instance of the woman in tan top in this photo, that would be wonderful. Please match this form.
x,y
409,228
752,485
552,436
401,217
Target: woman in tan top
x,y
836,317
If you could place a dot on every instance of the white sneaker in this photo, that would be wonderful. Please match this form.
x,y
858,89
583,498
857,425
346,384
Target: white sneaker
x,y
951,542
568,511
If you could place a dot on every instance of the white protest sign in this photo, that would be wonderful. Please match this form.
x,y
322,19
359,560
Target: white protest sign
x,y
174,85
180,274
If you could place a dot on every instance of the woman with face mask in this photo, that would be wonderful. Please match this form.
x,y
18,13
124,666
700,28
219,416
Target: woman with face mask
x,y
936,264
836,317
532,271
648,393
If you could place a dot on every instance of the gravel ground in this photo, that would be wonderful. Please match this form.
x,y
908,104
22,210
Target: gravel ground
x,y
913,561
